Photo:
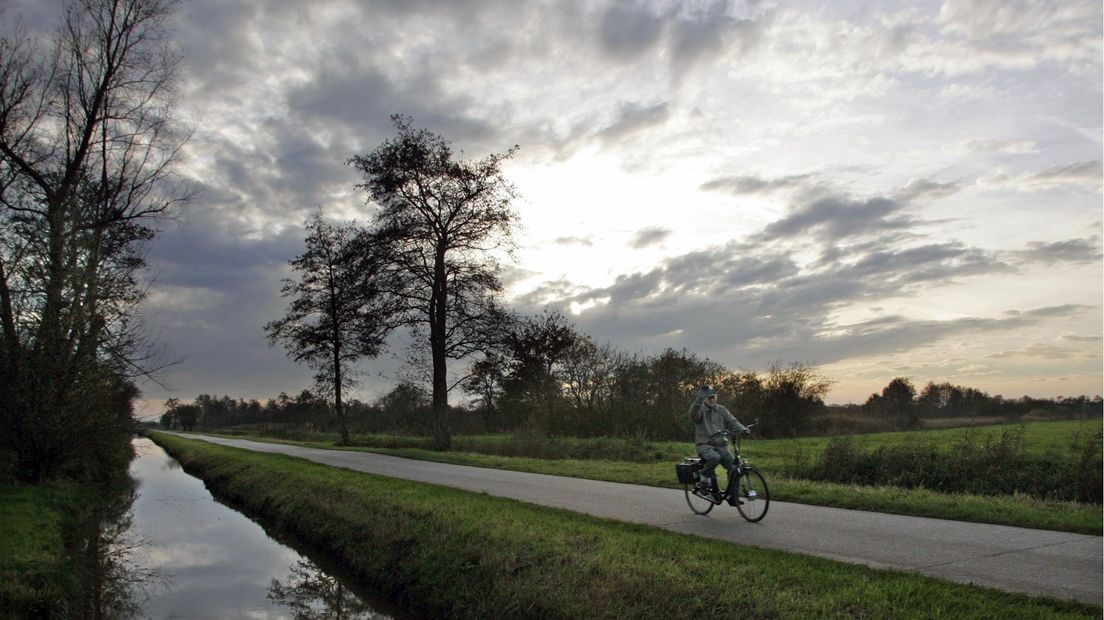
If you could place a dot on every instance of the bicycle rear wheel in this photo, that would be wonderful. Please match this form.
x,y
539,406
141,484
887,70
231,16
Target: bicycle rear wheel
x,y
698,503
752,491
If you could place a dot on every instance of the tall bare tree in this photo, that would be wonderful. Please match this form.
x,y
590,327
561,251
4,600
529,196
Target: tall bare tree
x,y
337,314
440,220
88,145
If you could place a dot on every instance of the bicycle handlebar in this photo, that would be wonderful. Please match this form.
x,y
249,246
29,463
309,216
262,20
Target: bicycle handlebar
x,y
728,434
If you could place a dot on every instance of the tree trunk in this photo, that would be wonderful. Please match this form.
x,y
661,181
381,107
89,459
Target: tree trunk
x,y
442,437
339,407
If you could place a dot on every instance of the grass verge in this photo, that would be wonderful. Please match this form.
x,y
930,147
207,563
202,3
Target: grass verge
x,y
33,575
768,455
447,553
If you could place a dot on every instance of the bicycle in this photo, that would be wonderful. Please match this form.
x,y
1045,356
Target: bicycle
x,y
746,488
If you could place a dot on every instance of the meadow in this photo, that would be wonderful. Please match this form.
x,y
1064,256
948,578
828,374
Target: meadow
x,y
790,466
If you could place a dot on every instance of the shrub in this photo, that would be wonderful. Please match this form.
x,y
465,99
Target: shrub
x,y
990,466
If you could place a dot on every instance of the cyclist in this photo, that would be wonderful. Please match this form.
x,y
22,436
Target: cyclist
x,y
710,419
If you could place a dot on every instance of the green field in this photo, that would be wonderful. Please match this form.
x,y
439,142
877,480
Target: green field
x,y
448,553
654,467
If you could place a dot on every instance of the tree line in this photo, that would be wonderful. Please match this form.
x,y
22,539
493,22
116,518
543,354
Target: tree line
x,y
556,381
900,400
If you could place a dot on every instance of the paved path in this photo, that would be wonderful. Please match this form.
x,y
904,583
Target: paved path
x,y
1009,558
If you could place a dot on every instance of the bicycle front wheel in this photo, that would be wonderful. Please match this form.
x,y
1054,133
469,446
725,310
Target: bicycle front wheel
x,y
699,504
752,491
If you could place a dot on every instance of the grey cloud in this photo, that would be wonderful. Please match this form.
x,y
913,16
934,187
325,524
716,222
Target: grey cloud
x,y
750,300
834,218
926,189
1075,338
708,30
1010,147
895,334
689,34
1080,172
628,30
632,117
1073,251
560,291
627,121
219,51
35,17
238,278
362,100
1037,350
728,268
288,175
648,236
213,255
1051,311
583,241
927,263
740,185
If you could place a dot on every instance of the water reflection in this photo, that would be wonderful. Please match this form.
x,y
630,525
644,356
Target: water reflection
x,y
216,563
114,576
311,594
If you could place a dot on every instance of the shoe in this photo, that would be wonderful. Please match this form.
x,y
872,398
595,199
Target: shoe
x,y
717,497
735,501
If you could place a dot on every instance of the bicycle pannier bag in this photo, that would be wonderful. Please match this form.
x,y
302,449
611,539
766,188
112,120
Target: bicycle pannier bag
x,y
687,473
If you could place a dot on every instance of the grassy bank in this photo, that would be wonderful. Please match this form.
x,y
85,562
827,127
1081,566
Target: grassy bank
x,y
1041,439
449,553
33,522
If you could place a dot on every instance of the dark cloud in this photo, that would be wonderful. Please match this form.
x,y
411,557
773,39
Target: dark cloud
x,y
629,30
833,219
705,31
688,34
361,101
211,296
219,256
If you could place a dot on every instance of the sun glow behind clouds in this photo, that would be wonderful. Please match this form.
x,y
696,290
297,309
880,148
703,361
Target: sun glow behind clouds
x,y
581,217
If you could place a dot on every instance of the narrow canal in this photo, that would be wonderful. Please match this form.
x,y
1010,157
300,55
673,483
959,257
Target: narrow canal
x,y
193,557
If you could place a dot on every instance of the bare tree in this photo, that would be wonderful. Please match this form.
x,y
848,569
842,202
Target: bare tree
x,y
334,317
440,219
791,395
88,145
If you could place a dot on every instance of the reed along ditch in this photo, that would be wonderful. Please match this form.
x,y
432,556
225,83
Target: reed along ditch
x,y
180,553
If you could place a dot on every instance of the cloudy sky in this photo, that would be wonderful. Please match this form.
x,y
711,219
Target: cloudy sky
x,y
878,188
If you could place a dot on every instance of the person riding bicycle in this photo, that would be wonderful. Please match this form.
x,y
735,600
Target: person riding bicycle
x,y
710,421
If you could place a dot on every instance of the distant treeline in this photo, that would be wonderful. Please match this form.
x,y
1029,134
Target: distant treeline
x,y
595,391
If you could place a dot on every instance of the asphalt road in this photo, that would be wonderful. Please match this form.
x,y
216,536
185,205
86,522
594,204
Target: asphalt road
x,y
1008,558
